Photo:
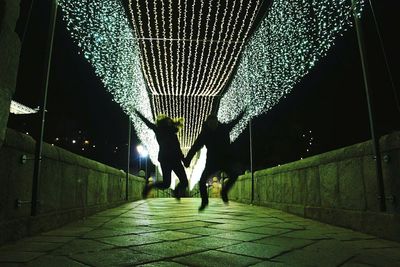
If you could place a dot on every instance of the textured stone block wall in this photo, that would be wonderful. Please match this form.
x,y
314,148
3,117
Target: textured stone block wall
x,y
71,187
337,187
10,47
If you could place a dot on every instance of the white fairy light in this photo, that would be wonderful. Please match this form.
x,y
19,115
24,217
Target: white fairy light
x,y
191,83
164,88
189,68
151,47
225,48
209,49
219,43
144,59
226,72
182,70
167,73
170,46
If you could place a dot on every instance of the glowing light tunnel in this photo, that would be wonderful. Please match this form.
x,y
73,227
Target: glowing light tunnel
x,y
179,56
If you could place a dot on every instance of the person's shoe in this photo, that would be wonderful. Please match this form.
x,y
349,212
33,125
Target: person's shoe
x,y
224,196
145,191
176,194
203,205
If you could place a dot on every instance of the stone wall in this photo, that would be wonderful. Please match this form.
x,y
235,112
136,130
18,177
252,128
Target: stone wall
x,y
71,187
337,187
10,47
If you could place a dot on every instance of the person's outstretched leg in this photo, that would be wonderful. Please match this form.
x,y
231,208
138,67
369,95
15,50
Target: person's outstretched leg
x,y
166,173
233,172
166,182
208,170
183,181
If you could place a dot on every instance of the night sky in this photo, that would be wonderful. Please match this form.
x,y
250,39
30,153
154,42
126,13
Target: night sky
x,y
327,108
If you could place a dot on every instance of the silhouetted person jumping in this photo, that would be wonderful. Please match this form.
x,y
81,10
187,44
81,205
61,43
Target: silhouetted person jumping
x,y
170,155
220,156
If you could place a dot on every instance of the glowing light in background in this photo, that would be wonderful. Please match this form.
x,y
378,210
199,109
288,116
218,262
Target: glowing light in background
x,y
142,151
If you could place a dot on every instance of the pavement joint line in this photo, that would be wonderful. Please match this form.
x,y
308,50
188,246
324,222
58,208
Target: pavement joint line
x,y
238,254
294,249
348,260
130,246
86,264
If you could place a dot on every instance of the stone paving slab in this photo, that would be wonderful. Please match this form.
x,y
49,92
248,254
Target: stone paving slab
x,y
130,240
72,230
216,258
162,264
202,231
170,235
255,250
81,246
52,261
209,242
168,249
31,246
114,257
18,256
318,254
164,232
285,242
49,239
267,230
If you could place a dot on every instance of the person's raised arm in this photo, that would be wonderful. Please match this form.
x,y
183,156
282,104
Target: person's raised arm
x,y
197,145
233,122
145,120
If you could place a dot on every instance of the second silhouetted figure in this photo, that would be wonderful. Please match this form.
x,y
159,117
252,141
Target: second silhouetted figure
x,y
215,136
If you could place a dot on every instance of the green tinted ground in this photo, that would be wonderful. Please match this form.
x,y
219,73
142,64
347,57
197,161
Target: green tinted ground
x,y
163,232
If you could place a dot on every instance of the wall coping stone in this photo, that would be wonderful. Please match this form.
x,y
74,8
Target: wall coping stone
x,y
388,142
26,144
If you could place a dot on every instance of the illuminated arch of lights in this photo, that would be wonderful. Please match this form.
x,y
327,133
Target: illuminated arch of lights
x,y
180,55
290,40
186,53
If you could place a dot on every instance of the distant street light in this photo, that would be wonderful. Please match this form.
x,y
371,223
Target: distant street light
x,y
142,151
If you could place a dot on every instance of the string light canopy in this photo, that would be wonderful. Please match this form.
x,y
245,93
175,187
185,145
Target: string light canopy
x,y
288,43
176,61
177,57
101,30
188,49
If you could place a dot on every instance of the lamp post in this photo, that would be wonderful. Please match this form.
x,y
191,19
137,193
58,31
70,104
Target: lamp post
x,y
42,110
142,154
251,161
129,159
371,112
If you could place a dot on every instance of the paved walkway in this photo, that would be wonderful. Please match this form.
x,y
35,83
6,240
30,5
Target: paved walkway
x,y
163,232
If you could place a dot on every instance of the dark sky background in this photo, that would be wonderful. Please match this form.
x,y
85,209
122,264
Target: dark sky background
x,y
327,108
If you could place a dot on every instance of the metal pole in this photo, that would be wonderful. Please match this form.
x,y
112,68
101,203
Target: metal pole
x,y
368,92
145,173
129,159
251,162
42,112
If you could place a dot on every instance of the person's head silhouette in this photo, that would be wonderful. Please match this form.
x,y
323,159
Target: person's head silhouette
x,y
165,122
212,122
